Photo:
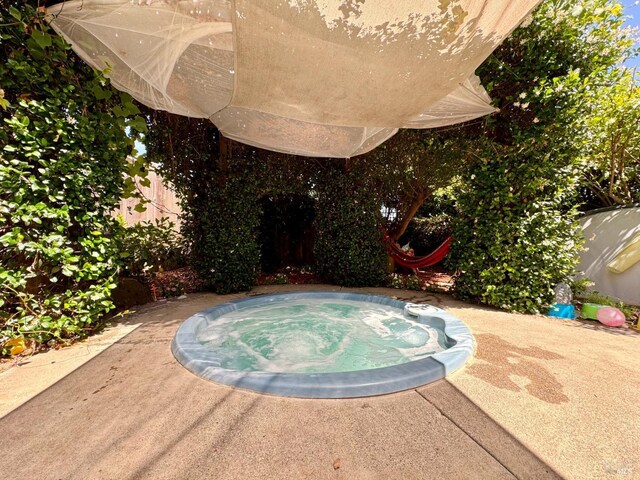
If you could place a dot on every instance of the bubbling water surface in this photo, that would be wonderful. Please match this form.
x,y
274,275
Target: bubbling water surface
x,y
319,335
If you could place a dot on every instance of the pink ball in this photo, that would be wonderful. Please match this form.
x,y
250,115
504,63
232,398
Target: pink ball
x,y
610,316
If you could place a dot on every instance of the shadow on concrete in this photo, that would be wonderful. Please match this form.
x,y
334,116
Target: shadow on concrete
x,y
596,326
115,401
134,412
517,458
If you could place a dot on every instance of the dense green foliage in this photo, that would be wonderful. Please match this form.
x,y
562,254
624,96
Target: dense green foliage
x,y
63,157
515,236
223,186
218,196
348,247
225,250
147,248
611,146
425,234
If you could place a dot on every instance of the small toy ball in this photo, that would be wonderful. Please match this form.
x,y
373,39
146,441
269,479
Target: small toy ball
x,y
611,317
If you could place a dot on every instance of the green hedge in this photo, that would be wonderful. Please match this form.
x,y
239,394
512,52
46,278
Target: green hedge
x,y
514,239
222,228
222,185
348,247
147,248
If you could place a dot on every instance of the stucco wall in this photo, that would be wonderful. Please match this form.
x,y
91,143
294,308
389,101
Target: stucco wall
x,y
607,233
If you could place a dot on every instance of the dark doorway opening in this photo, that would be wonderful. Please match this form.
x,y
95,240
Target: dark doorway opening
x,y
287,232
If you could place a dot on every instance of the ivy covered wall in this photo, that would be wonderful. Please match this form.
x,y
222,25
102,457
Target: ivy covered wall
x,y
222,186
63,164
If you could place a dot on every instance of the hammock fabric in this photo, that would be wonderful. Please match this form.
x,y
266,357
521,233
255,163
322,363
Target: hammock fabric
x,y
402,258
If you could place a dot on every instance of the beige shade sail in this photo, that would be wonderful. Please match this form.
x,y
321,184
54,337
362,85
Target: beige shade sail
x,y
326,78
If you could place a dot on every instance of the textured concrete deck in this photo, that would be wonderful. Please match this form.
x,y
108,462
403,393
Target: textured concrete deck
x,y
543,398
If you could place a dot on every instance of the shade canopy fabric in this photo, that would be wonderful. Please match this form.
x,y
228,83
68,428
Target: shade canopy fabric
x,y
327,78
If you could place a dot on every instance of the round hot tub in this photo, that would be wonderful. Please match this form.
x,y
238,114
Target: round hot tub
x,y
323,344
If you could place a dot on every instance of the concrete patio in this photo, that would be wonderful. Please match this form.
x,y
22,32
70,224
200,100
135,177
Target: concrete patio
x,y
542,398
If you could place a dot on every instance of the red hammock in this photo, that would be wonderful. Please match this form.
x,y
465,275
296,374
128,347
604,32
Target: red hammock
x,y
402,258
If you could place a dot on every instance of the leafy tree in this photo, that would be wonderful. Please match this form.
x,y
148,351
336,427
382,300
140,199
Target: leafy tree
x,y
516,235
611,146
408,168
219,184
63,158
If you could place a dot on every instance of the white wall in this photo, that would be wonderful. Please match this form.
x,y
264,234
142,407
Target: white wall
x,y
606,234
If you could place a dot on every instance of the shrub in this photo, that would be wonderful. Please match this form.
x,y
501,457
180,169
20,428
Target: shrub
x,y
516,235
222,227
348,247
218,193
514,238
62,166
147,248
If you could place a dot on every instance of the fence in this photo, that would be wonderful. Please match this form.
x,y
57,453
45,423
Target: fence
x,y
162,203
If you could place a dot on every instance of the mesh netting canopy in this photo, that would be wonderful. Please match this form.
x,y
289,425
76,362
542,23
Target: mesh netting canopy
x,y
327,78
